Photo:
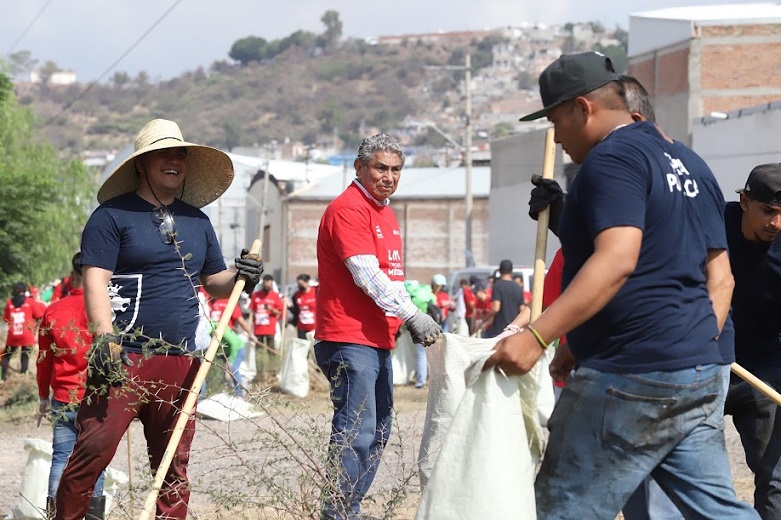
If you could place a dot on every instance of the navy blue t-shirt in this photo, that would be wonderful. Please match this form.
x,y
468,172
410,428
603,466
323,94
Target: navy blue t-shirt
x,y
714,237
662,317
756,300
149,290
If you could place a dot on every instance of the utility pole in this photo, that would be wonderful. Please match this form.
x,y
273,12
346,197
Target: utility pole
x,y
468,153
467,150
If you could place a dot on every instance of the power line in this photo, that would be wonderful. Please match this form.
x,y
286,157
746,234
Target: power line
x,y
78,98
27,29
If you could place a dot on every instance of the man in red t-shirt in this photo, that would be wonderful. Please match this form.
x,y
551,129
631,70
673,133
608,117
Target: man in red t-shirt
x,y
361,302
266,307
304,307
64,339
21,314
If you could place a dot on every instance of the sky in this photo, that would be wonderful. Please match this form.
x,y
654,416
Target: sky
x,y
89,36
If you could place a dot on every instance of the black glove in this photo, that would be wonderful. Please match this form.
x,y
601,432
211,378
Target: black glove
x,y
547,192
106,358
251,268
423,329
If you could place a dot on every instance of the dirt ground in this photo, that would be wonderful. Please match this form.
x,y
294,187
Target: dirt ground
x,y
229,460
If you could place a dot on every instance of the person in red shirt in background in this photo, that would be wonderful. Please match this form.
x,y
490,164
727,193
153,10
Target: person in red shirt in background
x,y
304,307
482,307
216,310
21,314
470,302
266,306
64,339
62,289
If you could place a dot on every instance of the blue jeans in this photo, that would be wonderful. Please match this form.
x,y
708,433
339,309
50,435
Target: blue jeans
x,y
609,431
649,501
758,421
64,438
361,380
421,366
237,388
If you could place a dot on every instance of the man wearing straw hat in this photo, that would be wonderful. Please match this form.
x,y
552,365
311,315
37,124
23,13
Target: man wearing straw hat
x,y
643,236
145,251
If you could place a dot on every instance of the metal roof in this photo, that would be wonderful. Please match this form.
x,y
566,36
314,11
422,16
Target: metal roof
x,y
415,183
650,30
738,13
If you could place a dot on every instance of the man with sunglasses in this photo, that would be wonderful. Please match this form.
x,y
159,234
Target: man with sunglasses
x,y
145,251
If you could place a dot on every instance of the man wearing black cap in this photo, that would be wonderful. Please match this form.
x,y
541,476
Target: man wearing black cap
x,y
753,229
506,301
647,287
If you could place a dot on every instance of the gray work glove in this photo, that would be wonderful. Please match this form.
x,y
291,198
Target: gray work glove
x,y
423,329
106,357
251,268
547,192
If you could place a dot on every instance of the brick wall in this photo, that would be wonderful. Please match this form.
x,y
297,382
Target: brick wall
x,y
736,66
434,232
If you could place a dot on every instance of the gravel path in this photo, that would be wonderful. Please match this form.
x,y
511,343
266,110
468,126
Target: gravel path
x,y
253,468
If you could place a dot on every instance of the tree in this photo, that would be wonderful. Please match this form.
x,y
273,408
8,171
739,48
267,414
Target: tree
x,y
22,63
232,128
120,79
44,204
333,27
47,70
246,50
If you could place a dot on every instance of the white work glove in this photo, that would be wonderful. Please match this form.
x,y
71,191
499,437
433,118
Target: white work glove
x,y
423,329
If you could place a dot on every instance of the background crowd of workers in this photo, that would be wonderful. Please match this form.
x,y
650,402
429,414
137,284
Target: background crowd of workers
x,y
639,423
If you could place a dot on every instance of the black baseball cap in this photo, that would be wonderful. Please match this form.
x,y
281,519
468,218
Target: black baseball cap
x,y
764,184
570,76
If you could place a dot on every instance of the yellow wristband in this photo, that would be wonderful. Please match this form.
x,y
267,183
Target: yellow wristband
x,y
537,335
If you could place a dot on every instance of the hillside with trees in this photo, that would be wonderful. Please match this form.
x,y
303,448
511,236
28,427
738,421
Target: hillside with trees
x,y
313,88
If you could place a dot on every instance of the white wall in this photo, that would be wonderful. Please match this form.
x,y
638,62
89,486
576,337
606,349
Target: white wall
x,y
732,147
512,233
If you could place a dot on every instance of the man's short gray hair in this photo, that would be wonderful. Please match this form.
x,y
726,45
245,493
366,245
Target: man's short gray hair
x,y
379,143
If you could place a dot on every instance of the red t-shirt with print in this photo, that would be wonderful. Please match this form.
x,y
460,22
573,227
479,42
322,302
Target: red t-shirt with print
x,y
265,322
307,306
354,224
218,308
21,322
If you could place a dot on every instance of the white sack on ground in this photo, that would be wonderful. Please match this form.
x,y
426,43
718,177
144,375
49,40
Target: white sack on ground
x,y
403,359
226,408
35,482
294,376
481,438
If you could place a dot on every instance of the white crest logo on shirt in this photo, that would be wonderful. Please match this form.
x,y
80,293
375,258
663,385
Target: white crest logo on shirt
x,y
124,306
379,231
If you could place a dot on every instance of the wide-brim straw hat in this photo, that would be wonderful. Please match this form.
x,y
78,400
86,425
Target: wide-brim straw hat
x,y
209,170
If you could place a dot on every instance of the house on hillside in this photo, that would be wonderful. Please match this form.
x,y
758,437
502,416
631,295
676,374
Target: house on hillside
x,y
429,204
699,60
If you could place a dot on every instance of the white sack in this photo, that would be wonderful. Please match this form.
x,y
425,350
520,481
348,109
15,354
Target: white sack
x,y
226,408
481,439
294,376
35,480
403,359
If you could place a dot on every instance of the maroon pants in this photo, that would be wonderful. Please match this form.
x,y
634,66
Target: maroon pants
x,y
154,392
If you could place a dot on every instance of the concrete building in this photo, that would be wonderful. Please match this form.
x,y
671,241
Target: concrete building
x,y
704,59
512,233
429,205
734,142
